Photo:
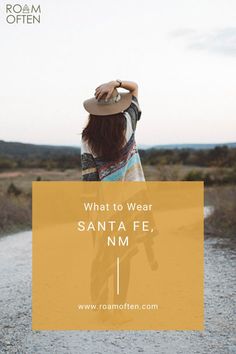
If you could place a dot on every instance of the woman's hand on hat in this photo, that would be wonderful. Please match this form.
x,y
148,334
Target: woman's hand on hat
x,y
106,88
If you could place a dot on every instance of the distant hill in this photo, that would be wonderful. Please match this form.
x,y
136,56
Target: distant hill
x,y
21,155
23,150
187,146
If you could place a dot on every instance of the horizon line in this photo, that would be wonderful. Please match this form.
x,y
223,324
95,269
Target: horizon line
x,y
138,144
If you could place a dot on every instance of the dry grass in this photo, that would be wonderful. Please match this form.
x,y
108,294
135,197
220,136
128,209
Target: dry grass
x,y
223,220
163,172
15,214
15,211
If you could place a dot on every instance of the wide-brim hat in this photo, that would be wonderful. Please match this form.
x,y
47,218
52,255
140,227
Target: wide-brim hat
x,y
117,103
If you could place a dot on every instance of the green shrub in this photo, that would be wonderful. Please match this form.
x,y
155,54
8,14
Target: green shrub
x,y
194,175
13,190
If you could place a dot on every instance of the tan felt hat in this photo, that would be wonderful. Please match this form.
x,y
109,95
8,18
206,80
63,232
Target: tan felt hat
x,y
117,103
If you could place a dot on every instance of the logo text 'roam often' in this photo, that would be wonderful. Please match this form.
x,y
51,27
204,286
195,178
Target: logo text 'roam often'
x,y
23,14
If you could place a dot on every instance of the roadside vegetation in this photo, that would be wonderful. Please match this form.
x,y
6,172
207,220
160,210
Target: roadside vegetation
x,y
20,164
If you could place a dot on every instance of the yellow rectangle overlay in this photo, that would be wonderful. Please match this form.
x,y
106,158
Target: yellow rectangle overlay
x,y
118,256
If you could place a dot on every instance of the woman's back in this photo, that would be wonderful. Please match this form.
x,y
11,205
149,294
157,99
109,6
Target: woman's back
x,y
128,166
108,147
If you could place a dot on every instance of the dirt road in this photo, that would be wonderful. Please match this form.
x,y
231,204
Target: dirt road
x,y
15,317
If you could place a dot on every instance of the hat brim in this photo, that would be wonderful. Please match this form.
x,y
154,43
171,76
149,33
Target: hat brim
x,y
93,107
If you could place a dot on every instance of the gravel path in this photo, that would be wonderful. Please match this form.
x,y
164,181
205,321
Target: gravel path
x,y
15,318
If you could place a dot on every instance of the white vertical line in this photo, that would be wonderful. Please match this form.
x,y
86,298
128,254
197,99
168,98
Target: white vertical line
x,y
117,275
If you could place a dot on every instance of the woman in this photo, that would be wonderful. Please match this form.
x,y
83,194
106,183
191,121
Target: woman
x,y
108,149
109,153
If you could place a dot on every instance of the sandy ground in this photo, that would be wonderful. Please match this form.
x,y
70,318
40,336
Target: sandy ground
x,y
15,317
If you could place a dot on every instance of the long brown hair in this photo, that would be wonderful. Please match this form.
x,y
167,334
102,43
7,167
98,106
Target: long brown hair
x,y
105,135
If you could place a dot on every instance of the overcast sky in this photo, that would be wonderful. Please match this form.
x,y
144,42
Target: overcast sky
x,y
182,54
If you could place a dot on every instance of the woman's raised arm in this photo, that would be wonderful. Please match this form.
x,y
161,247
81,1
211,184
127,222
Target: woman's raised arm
x,y
109,87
